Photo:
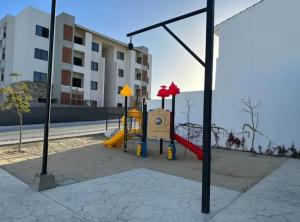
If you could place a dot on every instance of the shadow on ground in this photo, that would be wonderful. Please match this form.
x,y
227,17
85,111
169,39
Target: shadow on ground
x,y
234,170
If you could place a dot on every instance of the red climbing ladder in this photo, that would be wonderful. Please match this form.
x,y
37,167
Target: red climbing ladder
x,y
192,147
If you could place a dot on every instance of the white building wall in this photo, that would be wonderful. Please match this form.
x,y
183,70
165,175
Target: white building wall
x,y
21,43
25,42
8,47
259,55
87,66
110,96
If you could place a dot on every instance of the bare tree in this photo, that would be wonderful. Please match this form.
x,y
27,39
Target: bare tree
x,y
187,113
252,127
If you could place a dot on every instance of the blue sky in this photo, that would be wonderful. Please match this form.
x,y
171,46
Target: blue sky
x,y
116,18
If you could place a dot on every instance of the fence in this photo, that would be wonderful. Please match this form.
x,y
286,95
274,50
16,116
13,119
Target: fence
x,y
61,115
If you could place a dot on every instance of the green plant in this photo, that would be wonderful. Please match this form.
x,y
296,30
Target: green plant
x,y
17,100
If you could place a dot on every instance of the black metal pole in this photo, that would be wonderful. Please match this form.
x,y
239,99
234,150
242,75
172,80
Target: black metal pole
x,y
168,22
144,134
144,129
106,122
207,107
173,119
184,45
49,84
125,126
161,140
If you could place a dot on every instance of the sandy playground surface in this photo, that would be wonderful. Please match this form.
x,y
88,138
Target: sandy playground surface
x,y
234,170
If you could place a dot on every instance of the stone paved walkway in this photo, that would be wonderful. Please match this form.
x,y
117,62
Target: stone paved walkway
x,y
145,195
276,198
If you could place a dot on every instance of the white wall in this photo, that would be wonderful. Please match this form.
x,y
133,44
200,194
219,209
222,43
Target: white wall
x,y
259,57
259,54
196,98
25,42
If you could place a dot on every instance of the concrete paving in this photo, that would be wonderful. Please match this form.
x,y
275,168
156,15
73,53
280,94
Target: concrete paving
x,y
145,195
140,195
275,198
18,202
32,133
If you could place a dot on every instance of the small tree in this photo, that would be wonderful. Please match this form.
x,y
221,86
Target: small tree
x,y
189,105
253,125
17,100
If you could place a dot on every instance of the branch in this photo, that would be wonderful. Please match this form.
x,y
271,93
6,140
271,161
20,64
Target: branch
x,y
249,126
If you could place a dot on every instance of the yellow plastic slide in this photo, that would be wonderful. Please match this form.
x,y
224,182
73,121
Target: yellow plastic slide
x,y
118,138
115,140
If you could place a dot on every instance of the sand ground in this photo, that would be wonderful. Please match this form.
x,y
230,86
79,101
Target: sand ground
x,y
234,170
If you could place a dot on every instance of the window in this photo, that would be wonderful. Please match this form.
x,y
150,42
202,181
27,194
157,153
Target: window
x,y
139,60
76,82
119,104
41,31
78,40
137,90
3,55
138,76
95,47
39,77
121,73
77,99
120,55
120,89
94,85
41,54
94,66
77,61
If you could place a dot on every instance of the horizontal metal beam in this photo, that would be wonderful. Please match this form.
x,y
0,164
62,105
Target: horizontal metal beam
x,y
184,45
168,21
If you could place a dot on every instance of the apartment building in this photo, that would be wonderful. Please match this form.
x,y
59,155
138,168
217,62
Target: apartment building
x,y
89,68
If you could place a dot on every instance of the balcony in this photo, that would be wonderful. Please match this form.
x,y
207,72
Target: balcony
x,y
77,61
78,40
139,60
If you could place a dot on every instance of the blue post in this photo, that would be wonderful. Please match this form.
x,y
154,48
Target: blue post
x,y
144,129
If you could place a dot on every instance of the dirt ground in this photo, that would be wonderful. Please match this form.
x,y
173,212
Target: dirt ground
x,y
234,170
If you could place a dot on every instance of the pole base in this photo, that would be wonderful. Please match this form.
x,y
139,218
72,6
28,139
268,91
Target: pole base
x,y
172,152
44,182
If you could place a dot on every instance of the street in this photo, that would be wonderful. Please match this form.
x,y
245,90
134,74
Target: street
x,y
31,133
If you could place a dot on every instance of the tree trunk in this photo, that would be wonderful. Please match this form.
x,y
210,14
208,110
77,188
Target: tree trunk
x,y
20,137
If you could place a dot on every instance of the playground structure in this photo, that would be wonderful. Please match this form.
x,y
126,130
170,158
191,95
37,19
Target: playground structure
x,y
118,138
155,124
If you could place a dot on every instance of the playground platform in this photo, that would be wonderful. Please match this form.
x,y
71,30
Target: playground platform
x,y
145,195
